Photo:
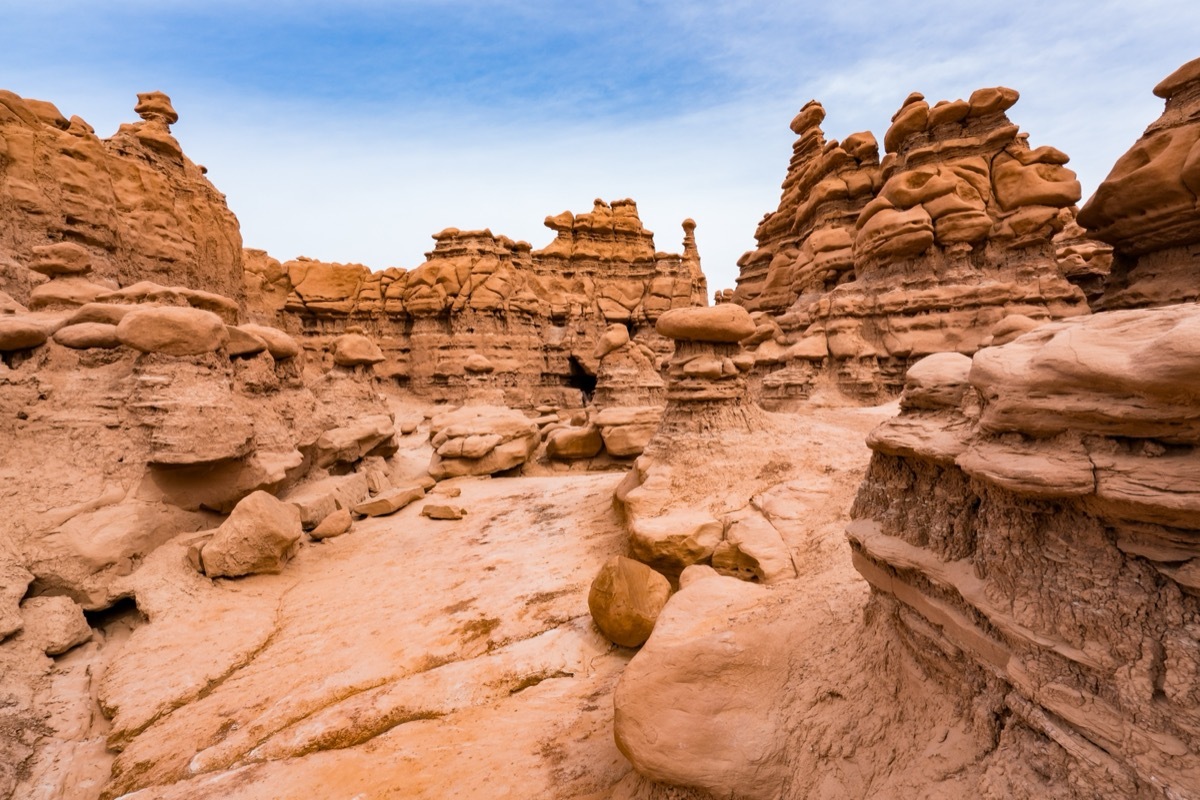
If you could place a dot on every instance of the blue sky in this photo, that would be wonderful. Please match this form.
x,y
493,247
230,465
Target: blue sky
x,y
353,131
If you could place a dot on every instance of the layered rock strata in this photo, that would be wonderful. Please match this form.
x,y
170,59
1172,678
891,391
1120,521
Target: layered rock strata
x,y
1147,207
135,206
487,319
1031,524
869,265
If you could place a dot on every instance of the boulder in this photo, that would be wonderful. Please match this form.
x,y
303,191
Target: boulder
x,y
625,600
172,331
350,443
242,343
18,333
260,536
335,524
443,511
354,349
389,502
54,624
280,345
572,443
481,440
62,258
87,335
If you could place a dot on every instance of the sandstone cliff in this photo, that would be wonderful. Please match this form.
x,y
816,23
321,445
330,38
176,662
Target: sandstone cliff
x,y
869,265
134,201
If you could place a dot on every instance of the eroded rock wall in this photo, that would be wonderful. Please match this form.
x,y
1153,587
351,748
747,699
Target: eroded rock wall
x,y
139,206
489,319
869,265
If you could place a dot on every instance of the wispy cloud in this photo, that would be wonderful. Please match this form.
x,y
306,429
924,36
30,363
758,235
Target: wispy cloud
x,y
353,130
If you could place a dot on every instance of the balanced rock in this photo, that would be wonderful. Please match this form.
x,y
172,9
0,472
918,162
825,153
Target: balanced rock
x,y
260,536
172,331
55,624
625,600
243,344
723,323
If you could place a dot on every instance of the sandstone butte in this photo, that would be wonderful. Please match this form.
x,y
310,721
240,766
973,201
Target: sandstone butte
x,y
913,511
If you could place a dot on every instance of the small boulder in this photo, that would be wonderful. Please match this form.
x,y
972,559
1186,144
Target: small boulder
x,y
172,331
280,345
389,502
242,343
443,511
87,335
260,536
20,334
354,349
572,443
335,524
625,600
54,624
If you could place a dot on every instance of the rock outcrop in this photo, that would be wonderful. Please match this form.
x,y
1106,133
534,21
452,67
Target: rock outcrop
x,y
869,265
487,319
128,208
1147,207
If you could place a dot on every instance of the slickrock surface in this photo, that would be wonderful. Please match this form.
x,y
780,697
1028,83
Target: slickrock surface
x,y
1147,207
487,319
128,208
870,264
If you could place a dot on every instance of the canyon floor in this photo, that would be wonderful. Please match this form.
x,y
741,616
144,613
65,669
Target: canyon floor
x,y
409,658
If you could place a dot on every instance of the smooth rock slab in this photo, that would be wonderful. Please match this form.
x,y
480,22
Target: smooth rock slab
x,y
625,600
172,331
442,511
259,536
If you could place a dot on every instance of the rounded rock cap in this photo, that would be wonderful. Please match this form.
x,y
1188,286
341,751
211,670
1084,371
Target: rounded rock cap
x,y
723,323
1170,85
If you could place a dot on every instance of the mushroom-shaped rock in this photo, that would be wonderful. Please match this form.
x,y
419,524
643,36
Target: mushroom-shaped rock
x,y
280,345
88,335
625,600
812,115
156,106
172,331
20,334
260,536
354,350
724,323
55,624
61,258
478,364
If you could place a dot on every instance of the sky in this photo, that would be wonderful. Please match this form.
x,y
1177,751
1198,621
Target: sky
x,y
352,131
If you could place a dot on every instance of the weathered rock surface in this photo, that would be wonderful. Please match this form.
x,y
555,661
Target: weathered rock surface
x,y
131,207
480,440
1147,208
54,624
1038,527
625,599
172,331
390,501
260,536
868,266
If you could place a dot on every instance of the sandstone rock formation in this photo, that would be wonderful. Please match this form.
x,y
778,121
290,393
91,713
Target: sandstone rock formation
x,y
128,208
869,265
1147,208
488,319
260,536
480,440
